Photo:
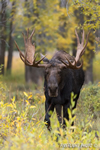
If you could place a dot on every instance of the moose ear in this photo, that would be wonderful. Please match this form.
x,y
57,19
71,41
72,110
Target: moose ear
x,y
45,59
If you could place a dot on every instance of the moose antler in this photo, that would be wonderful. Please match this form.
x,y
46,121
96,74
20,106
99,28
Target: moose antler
x,y
80,51
30,58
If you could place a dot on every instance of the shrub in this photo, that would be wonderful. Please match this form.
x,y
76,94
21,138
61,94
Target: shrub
x,y
22,125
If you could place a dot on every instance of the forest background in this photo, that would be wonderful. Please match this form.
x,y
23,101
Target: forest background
x,y
54,23
21,87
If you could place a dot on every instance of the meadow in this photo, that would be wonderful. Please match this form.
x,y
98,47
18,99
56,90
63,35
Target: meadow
x,y
22,115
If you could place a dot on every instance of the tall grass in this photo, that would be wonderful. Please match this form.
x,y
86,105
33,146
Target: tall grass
x,y
22,116
17,72
22,125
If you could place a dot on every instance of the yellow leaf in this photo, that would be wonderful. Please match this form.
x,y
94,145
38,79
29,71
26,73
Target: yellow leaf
x,y
40,134
38,122
27,102
29,96
13,99
43,99
33,119
25,94
32,106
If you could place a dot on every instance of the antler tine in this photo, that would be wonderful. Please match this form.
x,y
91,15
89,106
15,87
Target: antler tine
x,y
19,49
78,41
32,34
85,44
24,37
30,58
40,60
74,65
80,47
25,61
80,52
64,63
21,54
71,65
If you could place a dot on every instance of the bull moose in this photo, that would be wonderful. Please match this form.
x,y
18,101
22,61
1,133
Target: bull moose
x,y
63,75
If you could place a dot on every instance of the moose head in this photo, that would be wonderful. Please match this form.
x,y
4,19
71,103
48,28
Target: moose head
x,y
54,68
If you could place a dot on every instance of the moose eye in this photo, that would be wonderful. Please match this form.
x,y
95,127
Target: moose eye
x,y
59,71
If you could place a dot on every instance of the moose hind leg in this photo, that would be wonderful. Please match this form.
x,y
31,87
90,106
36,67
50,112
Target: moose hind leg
x,y
75,100
65,114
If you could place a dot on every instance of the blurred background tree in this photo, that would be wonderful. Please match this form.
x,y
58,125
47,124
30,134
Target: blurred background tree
x,y
11,39
3,22
55,23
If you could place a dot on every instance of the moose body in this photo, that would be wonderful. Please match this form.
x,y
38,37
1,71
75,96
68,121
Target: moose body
x,y
63,75
58,85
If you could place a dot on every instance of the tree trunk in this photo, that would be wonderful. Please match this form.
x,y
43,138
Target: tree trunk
x,y
89,69
27,74
62,26
10,50
34,75
97,34
3,34
89,72
63,3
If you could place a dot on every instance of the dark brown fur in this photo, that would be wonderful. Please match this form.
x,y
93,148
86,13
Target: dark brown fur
x,y
59,83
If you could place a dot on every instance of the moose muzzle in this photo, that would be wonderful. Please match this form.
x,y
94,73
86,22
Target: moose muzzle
x,y
53,90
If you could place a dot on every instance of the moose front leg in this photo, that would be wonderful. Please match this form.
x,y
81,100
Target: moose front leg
x,y
49,107
65,113
58,111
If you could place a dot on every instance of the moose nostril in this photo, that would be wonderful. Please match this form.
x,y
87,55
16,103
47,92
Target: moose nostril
x,y
53,89
56,88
